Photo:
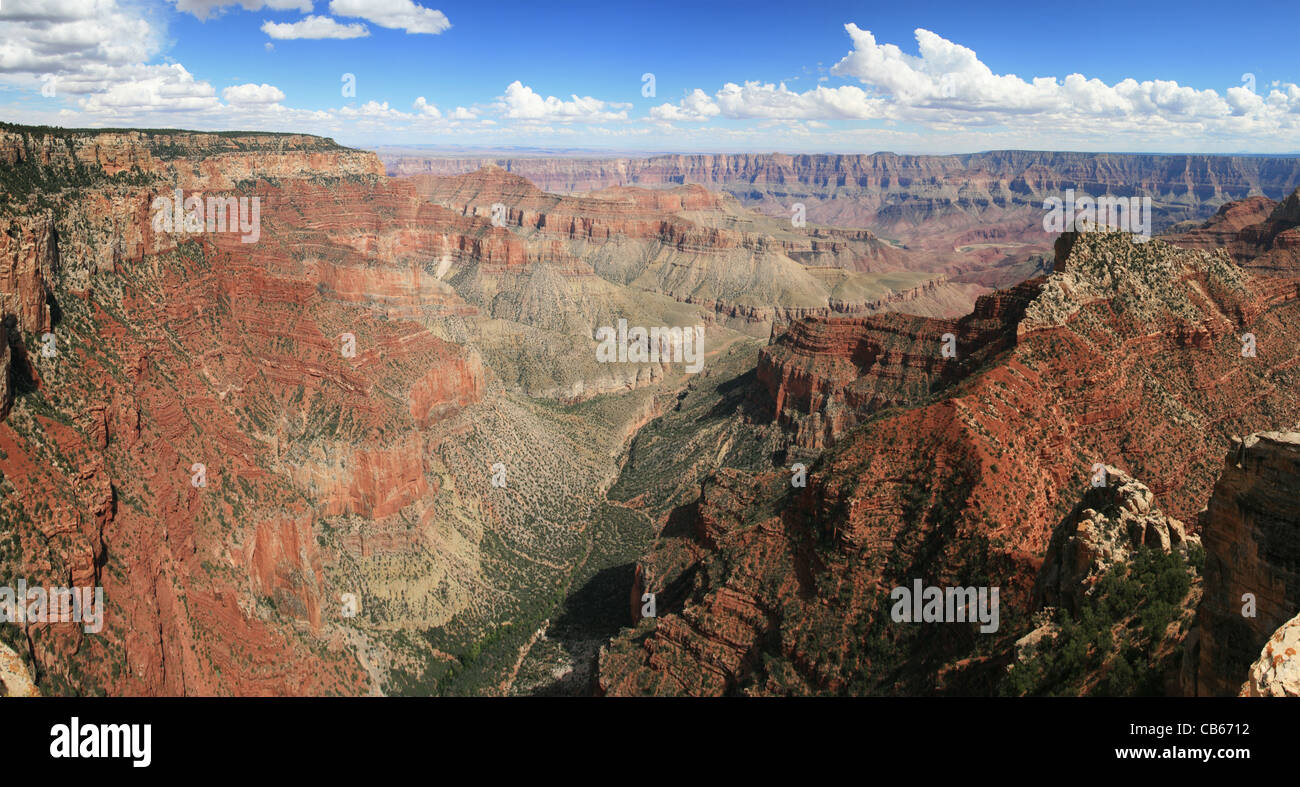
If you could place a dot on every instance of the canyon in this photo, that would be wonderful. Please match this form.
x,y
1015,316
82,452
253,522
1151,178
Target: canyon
x,y
375,452
1127,355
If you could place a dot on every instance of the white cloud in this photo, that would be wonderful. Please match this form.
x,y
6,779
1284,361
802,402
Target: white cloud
x,y
455,117
774,102
314,27
205,8
252,94
397,14
754,100
66,36
947,82
949,89
374,109
156,88
696,106
521,103
426,109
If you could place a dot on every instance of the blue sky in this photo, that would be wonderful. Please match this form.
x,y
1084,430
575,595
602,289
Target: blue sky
x,y
837,77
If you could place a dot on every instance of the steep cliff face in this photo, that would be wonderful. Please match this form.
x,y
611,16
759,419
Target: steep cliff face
x,y
1251,530
6,372
1272,246
28,255
170,409
1223,227
1128,355
687,218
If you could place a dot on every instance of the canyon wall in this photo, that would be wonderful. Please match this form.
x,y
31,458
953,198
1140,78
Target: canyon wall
x,y
232,435
895,194
1251,531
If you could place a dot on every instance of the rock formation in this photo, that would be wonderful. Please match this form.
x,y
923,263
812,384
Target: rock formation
x,y
15,681
1277,671
1113,520
1251,531
826,374
1259,234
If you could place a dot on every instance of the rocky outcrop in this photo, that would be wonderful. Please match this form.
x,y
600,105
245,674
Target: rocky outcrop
x,y
1222,229
1251,530
1260,234
827,374
15,680
1277,671
215,160
1115,518
1272,246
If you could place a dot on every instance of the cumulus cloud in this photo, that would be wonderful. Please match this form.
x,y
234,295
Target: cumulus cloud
x,y
314,27
168,88
397,14
754,100
94,52
426,109
696,106
374,109
774,102
67,36
947,87
250,94
520,102
948,82
101,58
455,117
205,8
